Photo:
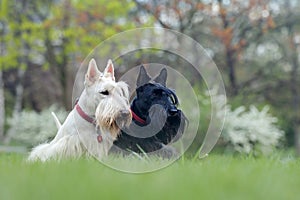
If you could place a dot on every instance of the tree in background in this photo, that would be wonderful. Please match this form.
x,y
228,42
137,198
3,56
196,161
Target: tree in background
x,y
254,43
42,43
2,99
287,38
225,28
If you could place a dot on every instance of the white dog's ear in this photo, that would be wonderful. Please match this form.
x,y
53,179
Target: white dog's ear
x,y
109,71
93,73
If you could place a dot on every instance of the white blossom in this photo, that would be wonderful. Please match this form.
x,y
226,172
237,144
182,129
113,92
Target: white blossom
x,y
251,131
32,128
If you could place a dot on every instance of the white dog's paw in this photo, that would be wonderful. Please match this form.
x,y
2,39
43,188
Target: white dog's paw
x,y
39,153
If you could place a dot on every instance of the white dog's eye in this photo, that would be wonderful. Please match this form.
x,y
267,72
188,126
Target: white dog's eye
x,y
104,92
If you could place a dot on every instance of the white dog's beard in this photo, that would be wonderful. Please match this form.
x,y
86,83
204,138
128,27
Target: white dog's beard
x,y
107,119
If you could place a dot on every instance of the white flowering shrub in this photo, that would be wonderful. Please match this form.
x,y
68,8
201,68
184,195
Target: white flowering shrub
x,y
31,128
251,131
246,130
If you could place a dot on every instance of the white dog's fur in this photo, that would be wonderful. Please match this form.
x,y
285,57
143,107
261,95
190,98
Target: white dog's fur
x,y
77,137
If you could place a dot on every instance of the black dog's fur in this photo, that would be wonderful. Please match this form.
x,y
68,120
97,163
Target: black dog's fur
x,y
150,94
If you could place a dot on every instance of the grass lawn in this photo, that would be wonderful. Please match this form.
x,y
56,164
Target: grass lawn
x,y
215,177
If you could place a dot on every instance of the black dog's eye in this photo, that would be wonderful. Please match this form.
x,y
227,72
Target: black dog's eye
x,y
171,99
105,92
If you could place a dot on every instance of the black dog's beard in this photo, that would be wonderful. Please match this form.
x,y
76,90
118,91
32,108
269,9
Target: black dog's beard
x,y
155,122
157,118
162,129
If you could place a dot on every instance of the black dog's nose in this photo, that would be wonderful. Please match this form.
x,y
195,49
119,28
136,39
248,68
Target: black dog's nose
x,y
172,111
125,113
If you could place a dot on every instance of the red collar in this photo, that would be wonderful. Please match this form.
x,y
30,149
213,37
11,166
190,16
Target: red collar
x,y
137,118
84,115
92,120
88,119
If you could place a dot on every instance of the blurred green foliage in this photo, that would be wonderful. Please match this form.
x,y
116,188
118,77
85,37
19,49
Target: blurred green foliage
x,y
216,177
254,44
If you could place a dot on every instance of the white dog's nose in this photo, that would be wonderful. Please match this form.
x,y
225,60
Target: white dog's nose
x,y
125,113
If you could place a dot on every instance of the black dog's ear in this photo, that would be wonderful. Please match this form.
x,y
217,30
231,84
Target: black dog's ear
x,y
143,77
162,77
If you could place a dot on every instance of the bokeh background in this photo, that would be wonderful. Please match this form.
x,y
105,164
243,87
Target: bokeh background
x,y
254,43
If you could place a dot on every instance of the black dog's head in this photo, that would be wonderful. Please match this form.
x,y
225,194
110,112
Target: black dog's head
x,y
158,105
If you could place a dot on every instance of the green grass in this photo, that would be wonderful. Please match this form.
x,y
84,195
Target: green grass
x,y
215,177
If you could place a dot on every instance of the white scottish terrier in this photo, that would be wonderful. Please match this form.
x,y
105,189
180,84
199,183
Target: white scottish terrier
x,y
95,122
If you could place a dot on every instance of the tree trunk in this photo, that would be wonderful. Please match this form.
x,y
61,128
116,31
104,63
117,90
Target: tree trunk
x,y
297,138
2,98
295,102
2,107
229,53
294,88
294,81
19,93
231,73
18,104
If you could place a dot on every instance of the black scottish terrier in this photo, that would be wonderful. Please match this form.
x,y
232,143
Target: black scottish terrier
x,y
156,121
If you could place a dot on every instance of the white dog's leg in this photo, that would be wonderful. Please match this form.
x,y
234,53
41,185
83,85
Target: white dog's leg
x,y
40,152
69,146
